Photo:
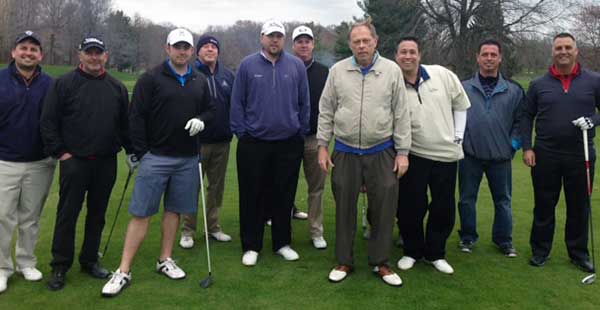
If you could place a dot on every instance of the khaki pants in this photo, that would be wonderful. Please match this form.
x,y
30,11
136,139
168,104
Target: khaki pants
x,y
349,174
214,166
315,179
24,187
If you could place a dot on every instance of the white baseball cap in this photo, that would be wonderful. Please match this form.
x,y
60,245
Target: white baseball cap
x,y
272,26
180,35
302,30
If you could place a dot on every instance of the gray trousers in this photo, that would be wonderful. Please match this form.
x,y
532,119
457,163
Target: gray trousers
x,y
376,172
214,166
315,179
24,187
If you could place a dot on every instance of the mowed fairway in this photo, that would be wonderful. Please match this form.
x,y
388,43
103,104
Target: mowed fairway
x,y
484,279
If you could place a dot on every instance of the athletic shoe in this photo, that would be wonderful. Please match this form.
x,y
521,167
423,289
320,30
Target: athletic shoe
x,y
406,262
96,270
442,266
509,251
3,283
269,223
387,275
288,253
31,274
117,283
169,268
220,236
299,215
339,273
249,258
538,261
57,280
319,243
466,246
186,242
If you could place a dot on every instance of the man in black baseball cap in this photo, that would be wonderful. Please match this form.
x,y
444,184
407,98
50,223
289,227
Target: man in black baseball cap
x,y
28,35
84,125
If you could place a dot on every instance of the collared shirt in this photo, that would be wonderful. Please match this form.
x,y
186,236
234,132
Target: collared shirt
x,y
181,78
565,80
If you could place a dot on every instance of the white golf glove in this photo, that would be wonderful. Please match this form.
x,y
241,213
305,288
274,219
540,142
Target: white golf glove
x,y
584,123
194,126
132,161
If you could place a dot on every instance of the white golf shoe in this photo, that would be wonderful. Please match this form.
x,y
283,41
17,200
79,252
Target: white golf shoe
x,y
169,268
3,283
442,266
31,274
406,262
186,242
339,273
288,253
220,236
319,243
387,275
117,283
249,258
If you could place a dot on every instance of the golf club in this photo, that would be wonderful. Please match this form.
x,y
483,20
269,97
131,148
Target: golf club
x,y
205,283
103,253
590,278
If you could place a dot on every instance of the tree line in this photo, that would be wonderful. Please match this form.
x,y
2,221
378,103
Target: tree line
x,y
450,31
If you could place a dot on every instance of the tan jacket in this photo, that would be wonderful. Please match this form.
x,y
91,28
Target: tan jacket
x,y
364,111
431,113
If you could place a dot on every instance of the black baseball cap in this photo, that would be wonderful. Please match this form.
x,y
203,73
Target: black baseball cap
x,y
92,41
28,34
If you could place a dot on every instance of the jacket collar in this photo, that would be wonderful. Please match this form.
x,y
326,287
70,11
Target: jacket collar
x,y
166,69
205,69
13,70
501,86
352,65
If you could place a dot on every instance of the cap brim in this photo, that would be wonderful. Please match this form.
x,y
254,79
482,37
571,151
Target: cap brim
x,y
184,41
268,32
303,35
33,38
91,45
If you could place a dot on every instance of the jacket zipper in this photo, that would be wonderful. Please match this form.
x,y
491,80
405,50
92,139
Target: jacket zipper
x,y
362,93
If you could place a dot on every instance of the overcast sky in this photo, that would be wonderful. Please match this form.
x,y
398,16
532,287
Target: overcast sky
x,y
197,14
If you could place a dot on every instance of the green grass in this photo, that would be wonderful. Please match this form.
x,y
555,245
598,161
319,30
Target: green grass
x,y
483,280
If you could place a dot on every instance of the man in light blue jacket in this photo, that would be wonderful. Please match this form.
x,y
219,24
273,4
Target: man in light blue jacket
x,y
491,139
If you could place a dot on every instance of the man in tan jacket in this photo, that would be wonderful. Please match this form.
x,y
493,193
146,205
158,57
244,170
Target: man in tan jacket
x,y
363,105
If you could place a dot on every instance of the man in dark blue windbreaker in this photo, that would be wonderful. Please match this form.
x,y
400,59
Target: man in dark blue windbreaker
x,y
214,140
491,139
25,171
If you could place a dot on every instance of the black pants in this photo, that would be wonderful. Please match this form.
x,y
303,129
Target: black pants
x,y
551,172
264,165
413,204
77,177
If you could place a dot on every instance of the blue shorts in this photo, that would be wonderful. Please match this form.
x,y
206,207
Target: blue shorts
x,y
176,177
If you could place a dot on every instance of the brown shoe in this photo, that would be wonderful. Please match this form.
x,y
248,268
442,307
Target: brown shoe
x,y
388,276
339,273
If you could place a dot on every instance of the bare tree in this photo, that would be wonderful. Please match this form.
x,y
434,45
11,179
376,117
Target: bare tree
x,y
587,30
55,16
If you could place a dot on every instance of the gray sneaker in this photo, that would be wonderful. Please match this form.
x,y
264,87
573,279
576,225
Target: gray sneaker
x,y
466,246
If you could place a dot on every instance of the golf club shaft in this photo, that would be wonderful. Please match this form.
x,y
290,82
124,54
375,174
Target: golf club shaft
x,y
129,174
205,222
589,190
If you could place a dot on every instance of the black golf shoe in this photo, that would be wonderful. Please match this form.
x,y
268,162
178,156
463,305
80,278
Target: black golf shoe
x,y
538,261
96,271
57,280
583,264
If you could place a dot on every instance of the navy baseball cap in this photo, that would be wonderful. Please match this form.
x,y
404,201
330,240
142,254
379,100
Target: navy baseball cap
x,y
28,35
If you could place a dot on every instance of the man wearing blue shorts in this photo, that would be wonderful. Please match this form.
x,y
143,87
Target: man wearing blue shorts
x,y
170,105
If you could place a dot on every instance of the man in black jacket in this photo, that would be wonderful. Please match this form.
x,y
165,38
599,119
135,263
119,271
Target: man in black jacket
x,y
170,105
303,45
84,125
565,96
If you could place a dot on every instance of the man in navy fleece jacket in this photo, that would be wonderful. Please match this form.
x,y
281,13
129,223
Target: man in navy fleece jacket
x,y
567,95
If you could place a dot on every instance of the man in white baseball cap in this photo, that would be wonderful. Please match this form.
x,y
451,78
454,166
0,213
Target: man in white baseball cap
x,y
169,106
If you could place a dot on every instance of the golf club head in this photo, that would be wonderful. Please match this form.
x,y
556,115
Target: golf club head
x,y
206,282
589,279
